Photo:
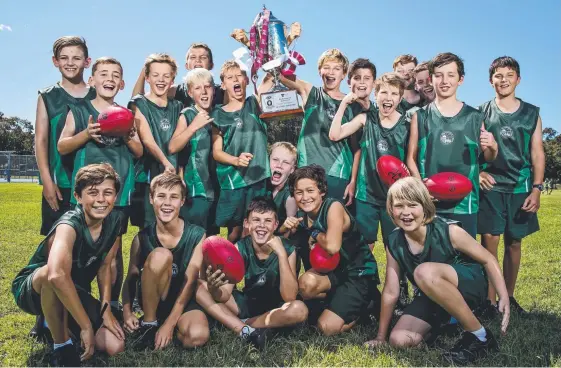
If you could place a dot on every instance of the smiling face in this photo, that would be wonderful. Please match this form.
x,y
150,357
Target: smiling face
x,y
405,72
261,226
409,216
202,92
446,80
97,200
283,163
504,81
160,78
362,83
71,62
423,85
308,196
198,57
234,83
167,202
387,99
332,74
107,80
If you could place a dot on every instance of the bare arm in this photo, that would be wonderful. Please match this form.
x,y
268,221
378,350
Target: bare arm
x,y
69,141
181,136
290,207
301,87
147,139
333,239
42,141
133,143
287,270
488,144
413,146
390,295
338,131
138,88
133,274
218,152
537,153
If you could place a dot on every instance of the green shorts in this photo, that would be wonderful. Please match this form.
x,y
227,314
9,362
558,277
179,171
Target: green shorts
x,y
233,203
50,216
251,307
368,216
467,222
196,211
336,187
472,284
501,213
123,213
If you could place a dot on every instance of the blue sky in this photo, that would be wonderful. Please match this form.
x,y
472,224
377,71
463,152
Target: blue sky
x,y
476,30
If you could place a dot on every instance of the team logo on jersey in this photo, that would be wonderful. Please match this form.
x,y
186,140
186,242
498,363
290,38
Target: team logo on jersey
x,y
108,141
91,260
447,138
506,132
174,270
261,280
382,145
165,124
238,122
330,111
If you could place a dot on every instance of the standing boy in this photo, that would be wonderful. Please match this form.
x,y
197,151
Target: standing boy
x,y
404,66
423,83
283,162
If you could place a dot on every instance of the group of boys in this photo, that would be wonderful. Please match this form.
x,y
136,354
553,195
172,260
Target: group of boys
x,y
197,159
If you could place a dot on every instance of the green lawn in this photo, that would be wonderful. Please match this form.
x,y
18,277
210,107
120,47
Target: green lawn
x,y
534,340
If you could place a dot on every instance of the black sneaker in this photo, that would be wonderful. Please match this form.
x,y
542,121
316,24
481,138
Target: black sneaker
x,y
66,356
469,348
486,311
144,337
257,337
40,332
515,307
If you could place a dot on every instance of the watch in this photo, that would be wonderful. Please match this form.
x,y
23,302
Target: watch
x,y
538,186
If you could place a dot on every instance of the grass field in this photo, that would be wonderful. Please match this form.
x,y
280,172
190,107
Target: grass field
x,y
533,340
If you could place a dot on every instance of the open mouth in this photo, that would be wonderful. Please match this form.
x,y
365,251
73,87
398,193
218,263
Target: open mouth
x,y
429,90
109,87
237,88
387,107
277,175
160,85
261,233
204,99
330,80
444,88
71,70
407,221
167,211
100,208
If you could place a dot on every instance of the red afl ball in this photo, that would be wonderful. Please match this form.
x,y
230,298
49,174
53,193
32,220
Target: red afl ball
x,y
116,121
322,261
223,255
391,169
449,186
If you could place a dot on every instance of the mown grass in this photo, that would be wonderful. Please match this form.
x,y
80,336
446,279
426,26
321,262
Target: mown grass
x,y
533,340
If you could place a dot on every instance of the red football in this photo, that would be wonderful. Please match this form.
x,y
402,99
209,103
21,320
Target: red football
x,y
449,186
223,255
322,261
391,169
116,121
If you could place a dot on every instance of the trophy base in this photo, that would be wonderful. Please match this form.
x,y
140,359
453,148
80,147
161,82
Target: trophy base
x,y
293,114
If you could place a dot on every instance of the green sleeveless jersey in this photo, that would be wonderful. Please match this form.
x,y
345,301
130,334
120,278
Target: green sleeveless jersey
x,y
314,145
87,254
242,131
438,248
197,155
356,258
280,202
376,142
512,169
262,277
405,106
182,252
112,150
56,101
451,144
162,122
182,96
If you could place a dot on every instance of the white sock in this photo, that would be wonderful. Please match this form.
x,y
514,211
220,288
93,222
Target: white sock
x,y
57,346
151,323
481,334
246,331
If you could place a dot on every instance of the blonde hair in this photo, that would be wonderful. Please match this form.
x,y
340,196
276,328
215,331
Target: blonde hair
x,y
411,190
106,60
230,64
160,58
334,55
167,181
198,75
287,146
391,79
404,59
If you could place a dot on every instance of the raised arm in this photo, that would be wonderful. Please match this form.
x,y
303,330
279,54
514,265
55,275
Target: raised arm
x,y
183,133
301,87
413,146
337,131
138,88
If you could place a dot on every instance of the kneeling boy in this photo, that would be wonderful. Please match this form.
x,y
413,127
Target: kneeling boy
x,y
57,280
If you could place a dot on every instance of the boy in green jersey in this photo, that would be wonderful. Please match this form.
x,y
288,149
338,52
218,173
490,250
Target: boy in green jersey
x,y
320,106
511,185
81,135
70,56
449,135
423,83
57,281
155,118
344,294
239,146
282,160
165,261
404,67
450,269
192,142
268,299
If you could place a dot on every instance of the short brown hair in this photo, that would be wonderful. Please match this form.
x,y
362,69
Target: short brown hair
x,y
411,190
66,41
167,180
287,146
404,59
445,59
261,204
105,60
421,68
230,64
199,45
95,174
334,55
391,79
313,172
362,63
160,58
504,62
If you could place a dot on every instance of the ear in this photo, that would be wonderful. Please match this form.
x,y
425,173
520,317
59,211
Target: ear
x,y
245,223
78,198
186,67
461,80
87,63
122,85
151,198
90,81
55,62
189,92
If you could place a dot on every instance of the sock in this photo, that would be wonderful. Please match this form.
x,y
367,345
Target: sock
x,y
244,320
481,334
58,346
246,331
151,323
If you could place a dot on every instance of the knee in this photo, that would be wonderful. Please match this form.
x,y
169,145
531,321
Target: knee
x,y
328,328
424,275
403,339
194,336
116,347
298,311
158,260
307,286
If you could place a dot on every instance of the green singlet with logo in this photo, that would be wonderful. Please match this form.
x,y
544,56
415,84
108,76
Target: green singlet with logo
x,y
242,131
451,144
314,145
162,122
262,277
280,202
376,142
112,150
87,254
56,101
512,169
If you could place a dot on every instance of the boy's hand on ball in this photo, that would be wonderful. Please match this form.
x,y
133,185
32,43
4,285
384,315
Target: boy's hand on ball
x,y
215,279
93,130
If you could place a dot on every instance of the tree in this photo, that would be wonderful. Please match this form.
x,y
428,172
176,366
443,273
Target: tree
x,y
552,149
16,134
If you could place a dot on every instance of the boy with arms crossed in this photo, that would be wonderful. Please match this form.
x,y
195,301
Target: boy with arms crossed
x,y
268,299
511,185
347,291
57,281
283,162
165,259
449,135
155,118
447,265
